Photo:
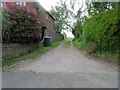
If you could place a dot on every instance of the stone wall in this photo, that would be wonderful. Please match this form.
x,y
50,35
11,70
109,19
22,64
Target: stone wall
x,y
9,50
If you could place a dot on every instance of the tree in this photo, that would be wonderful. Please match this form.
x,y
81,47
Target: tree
x,y
67,18
63,16
77,32
95,8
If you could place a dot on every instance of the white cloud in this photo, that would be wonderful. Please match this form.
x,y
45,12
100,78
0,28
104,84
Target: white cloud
x,y
48,3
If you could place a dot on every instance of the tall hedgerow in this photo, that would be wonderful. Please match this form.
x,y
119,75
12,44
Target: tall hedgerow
x,y
103,30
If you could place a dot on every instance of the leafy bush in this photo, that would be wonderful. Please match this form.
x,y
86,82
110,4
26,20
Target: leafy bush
x,y
0,16
6,24
103,31
21,24
78,31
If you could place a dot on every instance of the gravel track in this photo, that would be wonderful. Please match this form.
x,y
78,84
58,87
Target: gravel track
x,y
62,67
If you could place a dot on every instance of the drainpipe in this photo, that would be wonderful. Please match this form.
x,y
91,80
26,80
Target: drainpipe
x,y
43,32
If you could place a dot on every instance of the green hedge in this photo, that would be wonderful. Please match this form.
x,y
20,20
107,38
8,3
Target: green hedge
x,y
103,30
0,16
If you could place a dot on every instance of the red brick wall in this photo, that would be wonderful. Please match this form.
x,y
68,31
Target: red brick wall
x,y
30,4
49,23
14,49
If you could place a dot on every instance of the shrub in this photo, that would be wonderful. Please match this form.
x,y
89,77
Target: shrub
x,y
103,30
0,16
23,24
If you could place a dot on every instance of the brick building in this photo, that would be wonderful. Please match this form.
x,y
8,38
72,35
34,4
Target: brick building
x,y
47,20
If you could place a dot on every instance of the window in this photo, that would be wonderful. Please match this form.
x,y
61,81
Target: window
x,y
24,3
46,16
17,3
1,4
21,3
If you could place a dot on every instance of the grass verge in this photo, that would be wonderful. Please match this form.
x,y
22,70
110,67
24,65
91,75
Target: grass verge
x,y
33,55
111,57
76,44
0,65
67,43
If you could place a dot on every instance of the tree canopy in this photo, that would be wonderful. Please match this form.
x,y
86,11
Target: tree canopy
x,y
63,15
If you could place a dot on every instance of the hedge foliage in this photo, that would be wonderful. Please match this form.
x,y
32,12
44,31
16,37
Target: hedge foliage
x,y
78,31
0,16
103,30
20,24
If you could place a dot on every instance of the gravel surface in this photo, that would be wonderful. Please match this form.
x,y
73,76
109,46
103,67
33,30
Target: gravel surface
x,y
62,67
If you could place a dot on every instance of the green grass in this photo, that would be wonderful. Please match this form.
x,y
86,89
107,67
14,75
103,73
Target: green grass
x,y
67,43
111,57
81,46
69,39
0,65
76,44
33,55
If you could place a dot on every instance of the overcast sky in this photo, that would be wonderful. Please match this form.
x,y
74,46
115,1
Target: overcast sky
x,y
48,3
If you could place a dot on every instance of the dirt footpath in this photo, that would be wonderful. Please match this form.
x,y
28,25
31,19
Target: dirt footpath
x,y
73,63
68,60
